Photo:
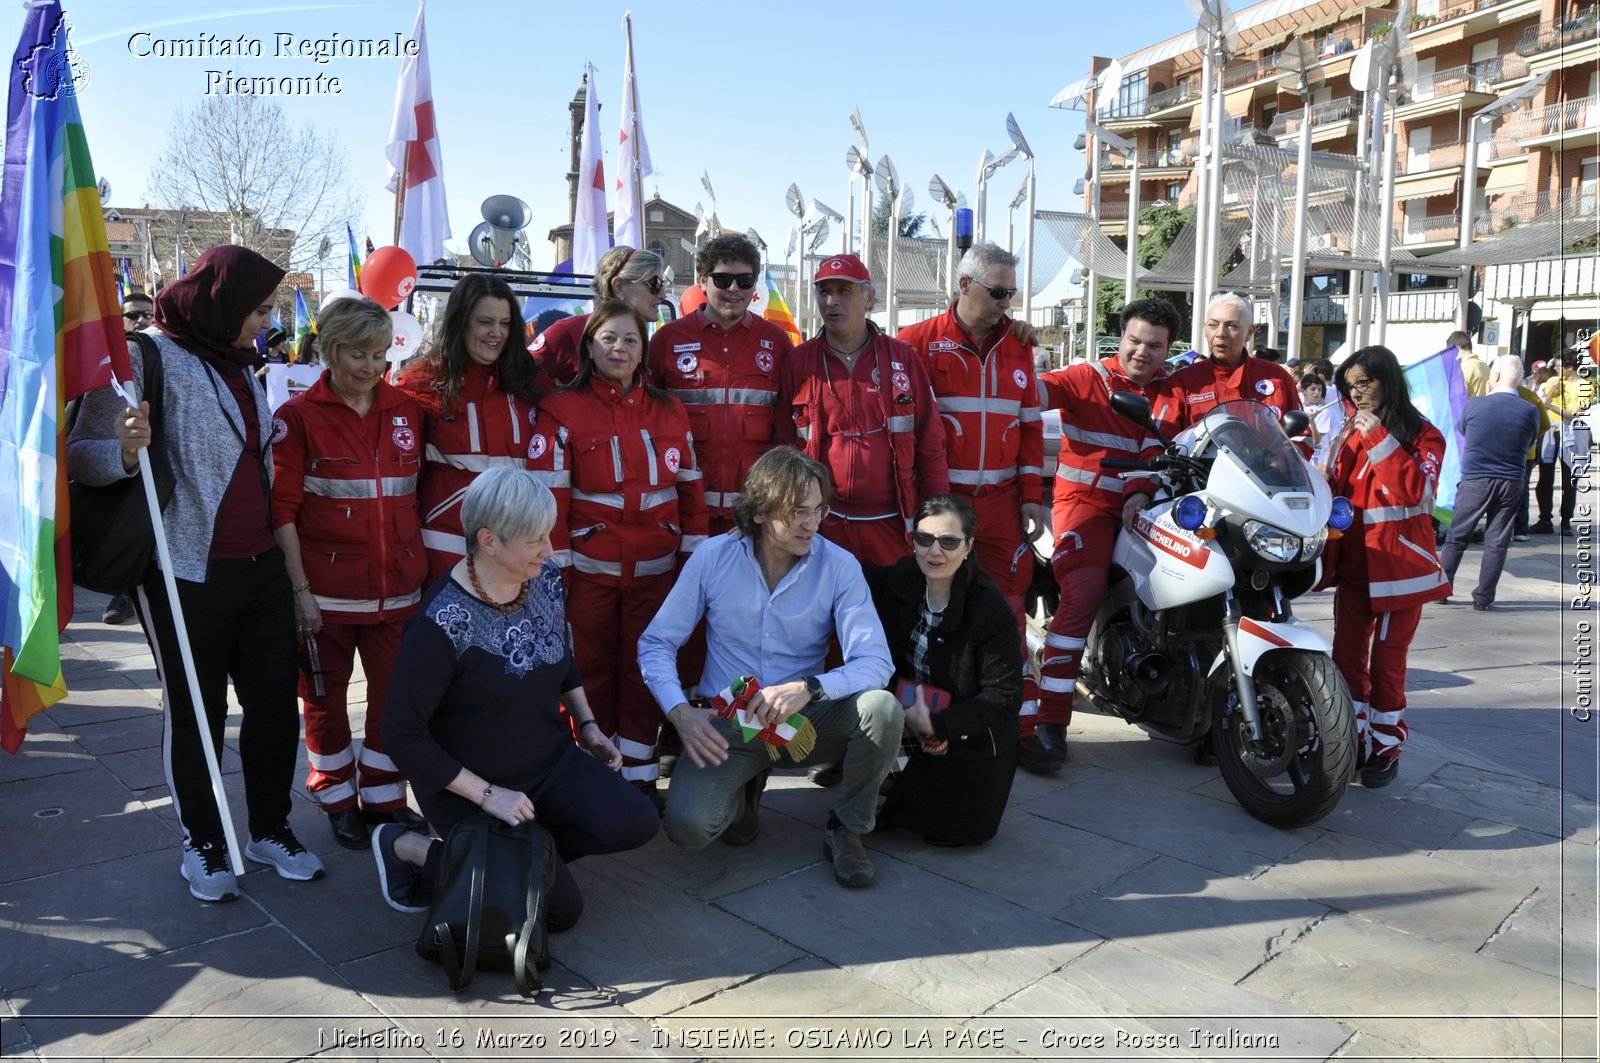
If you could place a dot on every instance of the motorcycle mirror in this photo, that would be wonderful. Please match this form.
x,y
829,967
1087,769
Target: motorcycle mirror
x,y
1136,408
1295,423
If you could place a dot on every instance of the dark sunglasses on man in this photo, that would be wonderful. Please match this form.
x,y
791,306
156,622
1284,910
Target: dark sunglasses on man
x,y
137,316
745,281
997,293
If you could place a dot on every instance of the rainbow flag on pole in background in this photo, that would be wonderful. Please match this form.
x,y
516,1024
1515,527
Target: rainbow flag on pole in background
x,y
777,311
355,258
60,335
303,322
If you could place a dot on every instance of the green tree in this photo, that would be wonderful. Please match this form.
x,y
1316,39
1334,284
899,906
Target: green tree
x,y
911,225
1159,226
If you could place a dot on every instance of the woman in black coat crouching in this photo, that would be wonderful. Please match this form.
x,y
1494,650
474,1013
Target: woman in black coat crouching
x,y
958,664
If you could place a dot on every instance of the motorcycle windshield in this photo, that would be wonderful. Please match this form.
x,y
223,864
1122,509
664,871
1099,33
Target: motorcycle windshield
x,y
1248,433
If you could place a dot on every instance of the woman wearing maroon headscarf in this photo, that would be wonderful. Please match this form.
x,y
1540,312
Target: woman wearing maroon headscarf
x,y
235,592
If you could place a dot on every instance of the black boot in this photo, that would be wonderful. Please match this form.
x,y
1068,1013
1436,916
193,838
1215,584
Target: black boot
x,y
349,829
1045,750
747,827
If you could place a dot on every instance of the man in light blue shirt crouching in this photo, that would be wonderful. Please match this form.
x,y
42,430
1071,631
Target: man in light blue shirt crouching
x,y
772,592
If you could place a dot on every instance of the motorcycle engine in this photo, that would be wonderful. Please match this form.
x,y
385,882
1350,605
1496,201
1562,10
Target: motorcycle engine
x,y
1119,649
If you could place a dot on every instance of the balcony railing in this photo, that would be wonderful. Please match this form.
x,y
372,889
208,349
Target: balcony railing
x,y
1179,157
1470,77
1511,68
1431,228
1561,32
1569,117
1183,92
1322,114
1123,109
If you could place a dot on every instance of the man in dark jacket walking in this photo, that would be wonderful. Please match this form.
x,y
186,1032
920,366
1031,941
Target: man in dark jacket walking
x,y
1499,427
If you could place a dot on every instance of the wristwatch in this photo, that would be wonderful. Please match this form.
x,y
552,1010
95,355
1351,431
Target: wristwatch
x,y
814,687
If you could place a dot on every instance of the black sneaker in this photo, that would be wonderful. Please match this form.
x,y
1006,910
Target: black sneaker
x,y
400,882
1543,527
826,775
119,610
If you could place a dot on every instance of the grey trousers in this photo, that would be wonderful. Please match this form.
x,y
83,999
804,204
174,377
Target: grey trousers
x,y
862,731
1498,500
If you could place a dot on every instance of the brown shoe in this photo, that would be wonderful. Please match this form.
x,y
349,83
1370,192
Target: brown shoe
x,y
851,865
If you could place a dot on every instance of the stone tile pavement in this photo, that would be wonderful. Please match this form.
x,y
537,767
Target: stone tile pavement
x,y
1127,910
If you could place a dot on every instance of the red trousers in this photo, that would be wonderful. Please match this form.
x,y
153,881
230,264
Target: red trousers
x,y
1370,651
1084,535
608,618
1008,559
873,542
338,776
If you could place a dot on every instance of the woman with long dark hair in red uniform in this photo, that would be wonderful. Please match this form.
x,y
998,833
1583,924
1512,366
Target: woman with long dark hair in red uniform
x,y
617,454
477,393
1386,462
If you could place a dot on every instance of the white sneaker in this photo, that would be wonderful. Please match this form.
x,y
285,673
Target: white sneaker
x,y
206,870
283,851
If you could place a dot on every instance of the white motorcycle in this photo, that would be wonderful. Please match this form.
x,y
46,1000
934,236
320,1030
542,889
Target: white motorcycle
x,y
1196,636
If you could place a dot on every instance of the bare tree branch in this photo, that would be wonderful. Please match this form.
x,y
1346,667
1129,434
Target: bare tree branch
x,y
250,176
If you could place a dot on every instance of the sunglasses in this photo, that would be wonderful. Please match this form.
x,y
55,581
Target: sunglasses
x,y
654,284
997,293
745,281
139,315
947,543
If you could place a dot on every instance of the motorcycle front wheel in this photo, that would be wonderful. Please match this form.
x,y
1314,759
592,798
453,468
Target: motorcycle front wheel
x,y
1298,771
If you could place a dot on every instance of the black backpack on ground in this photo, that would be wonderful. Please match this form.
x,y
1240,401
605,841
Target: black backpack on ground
x,y
113,541
489,899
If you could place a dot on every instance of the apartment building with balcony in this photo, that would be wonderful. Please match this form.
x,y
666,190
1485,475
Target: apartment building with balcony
x,y
1534,162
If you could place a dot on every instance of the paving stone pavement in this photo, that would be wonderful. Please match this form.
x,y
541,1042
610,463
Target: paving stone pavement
x,y
1128,908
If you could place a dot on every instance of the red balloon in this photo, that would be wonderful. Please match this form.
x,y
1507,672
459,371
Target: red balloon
x,y
692,299
388,276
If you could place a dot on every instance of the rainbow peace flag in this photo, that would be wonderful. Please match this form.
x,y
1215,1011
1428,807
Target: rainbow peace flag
x,y
303,322
355,258
777,311
60,335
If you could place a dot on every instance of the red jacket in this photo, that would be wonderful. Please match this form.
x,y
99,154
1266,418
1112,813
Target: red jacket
x,y
555,350
629,499
487,427
990,404
1205,383
727,380
1389,548
349,486
876,429
1092,431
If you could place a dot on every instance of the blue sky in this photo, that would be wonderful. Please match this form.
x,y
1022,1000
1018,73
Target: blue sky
x,y
758,95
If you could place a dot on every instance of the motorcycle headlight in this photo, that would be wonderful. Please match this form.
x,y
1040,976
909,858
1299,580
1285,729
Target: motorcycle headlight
x,y
1272,543
1312,545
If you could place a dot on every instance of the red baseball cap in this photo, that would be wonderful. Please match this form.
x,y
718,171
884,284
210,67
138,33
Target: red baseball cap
x,y
842,268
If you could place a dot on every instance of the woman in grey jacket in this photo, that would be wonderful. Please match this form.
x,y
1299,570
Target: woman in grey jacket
x,y
235,591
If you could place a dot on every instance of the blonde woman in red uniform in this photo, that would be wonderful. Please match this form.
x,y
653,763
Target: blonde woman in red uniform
x,y
346,454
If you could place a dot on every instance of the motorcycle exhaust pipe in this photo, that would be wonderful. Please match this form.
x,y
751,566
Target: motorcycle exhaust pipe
x,y
1149,670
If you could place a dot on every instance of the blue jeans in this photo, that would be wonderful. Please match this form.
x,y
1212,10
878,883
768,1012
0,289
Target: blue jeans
x,y
862,731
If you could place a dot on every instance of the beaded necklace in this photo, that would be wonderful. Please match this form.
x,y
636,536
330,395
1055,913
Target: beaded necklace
x,y
477,588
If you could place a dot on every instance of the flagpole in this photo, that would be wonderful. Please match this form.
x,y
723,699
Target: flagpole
x,y
164,558
633,133
400,194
